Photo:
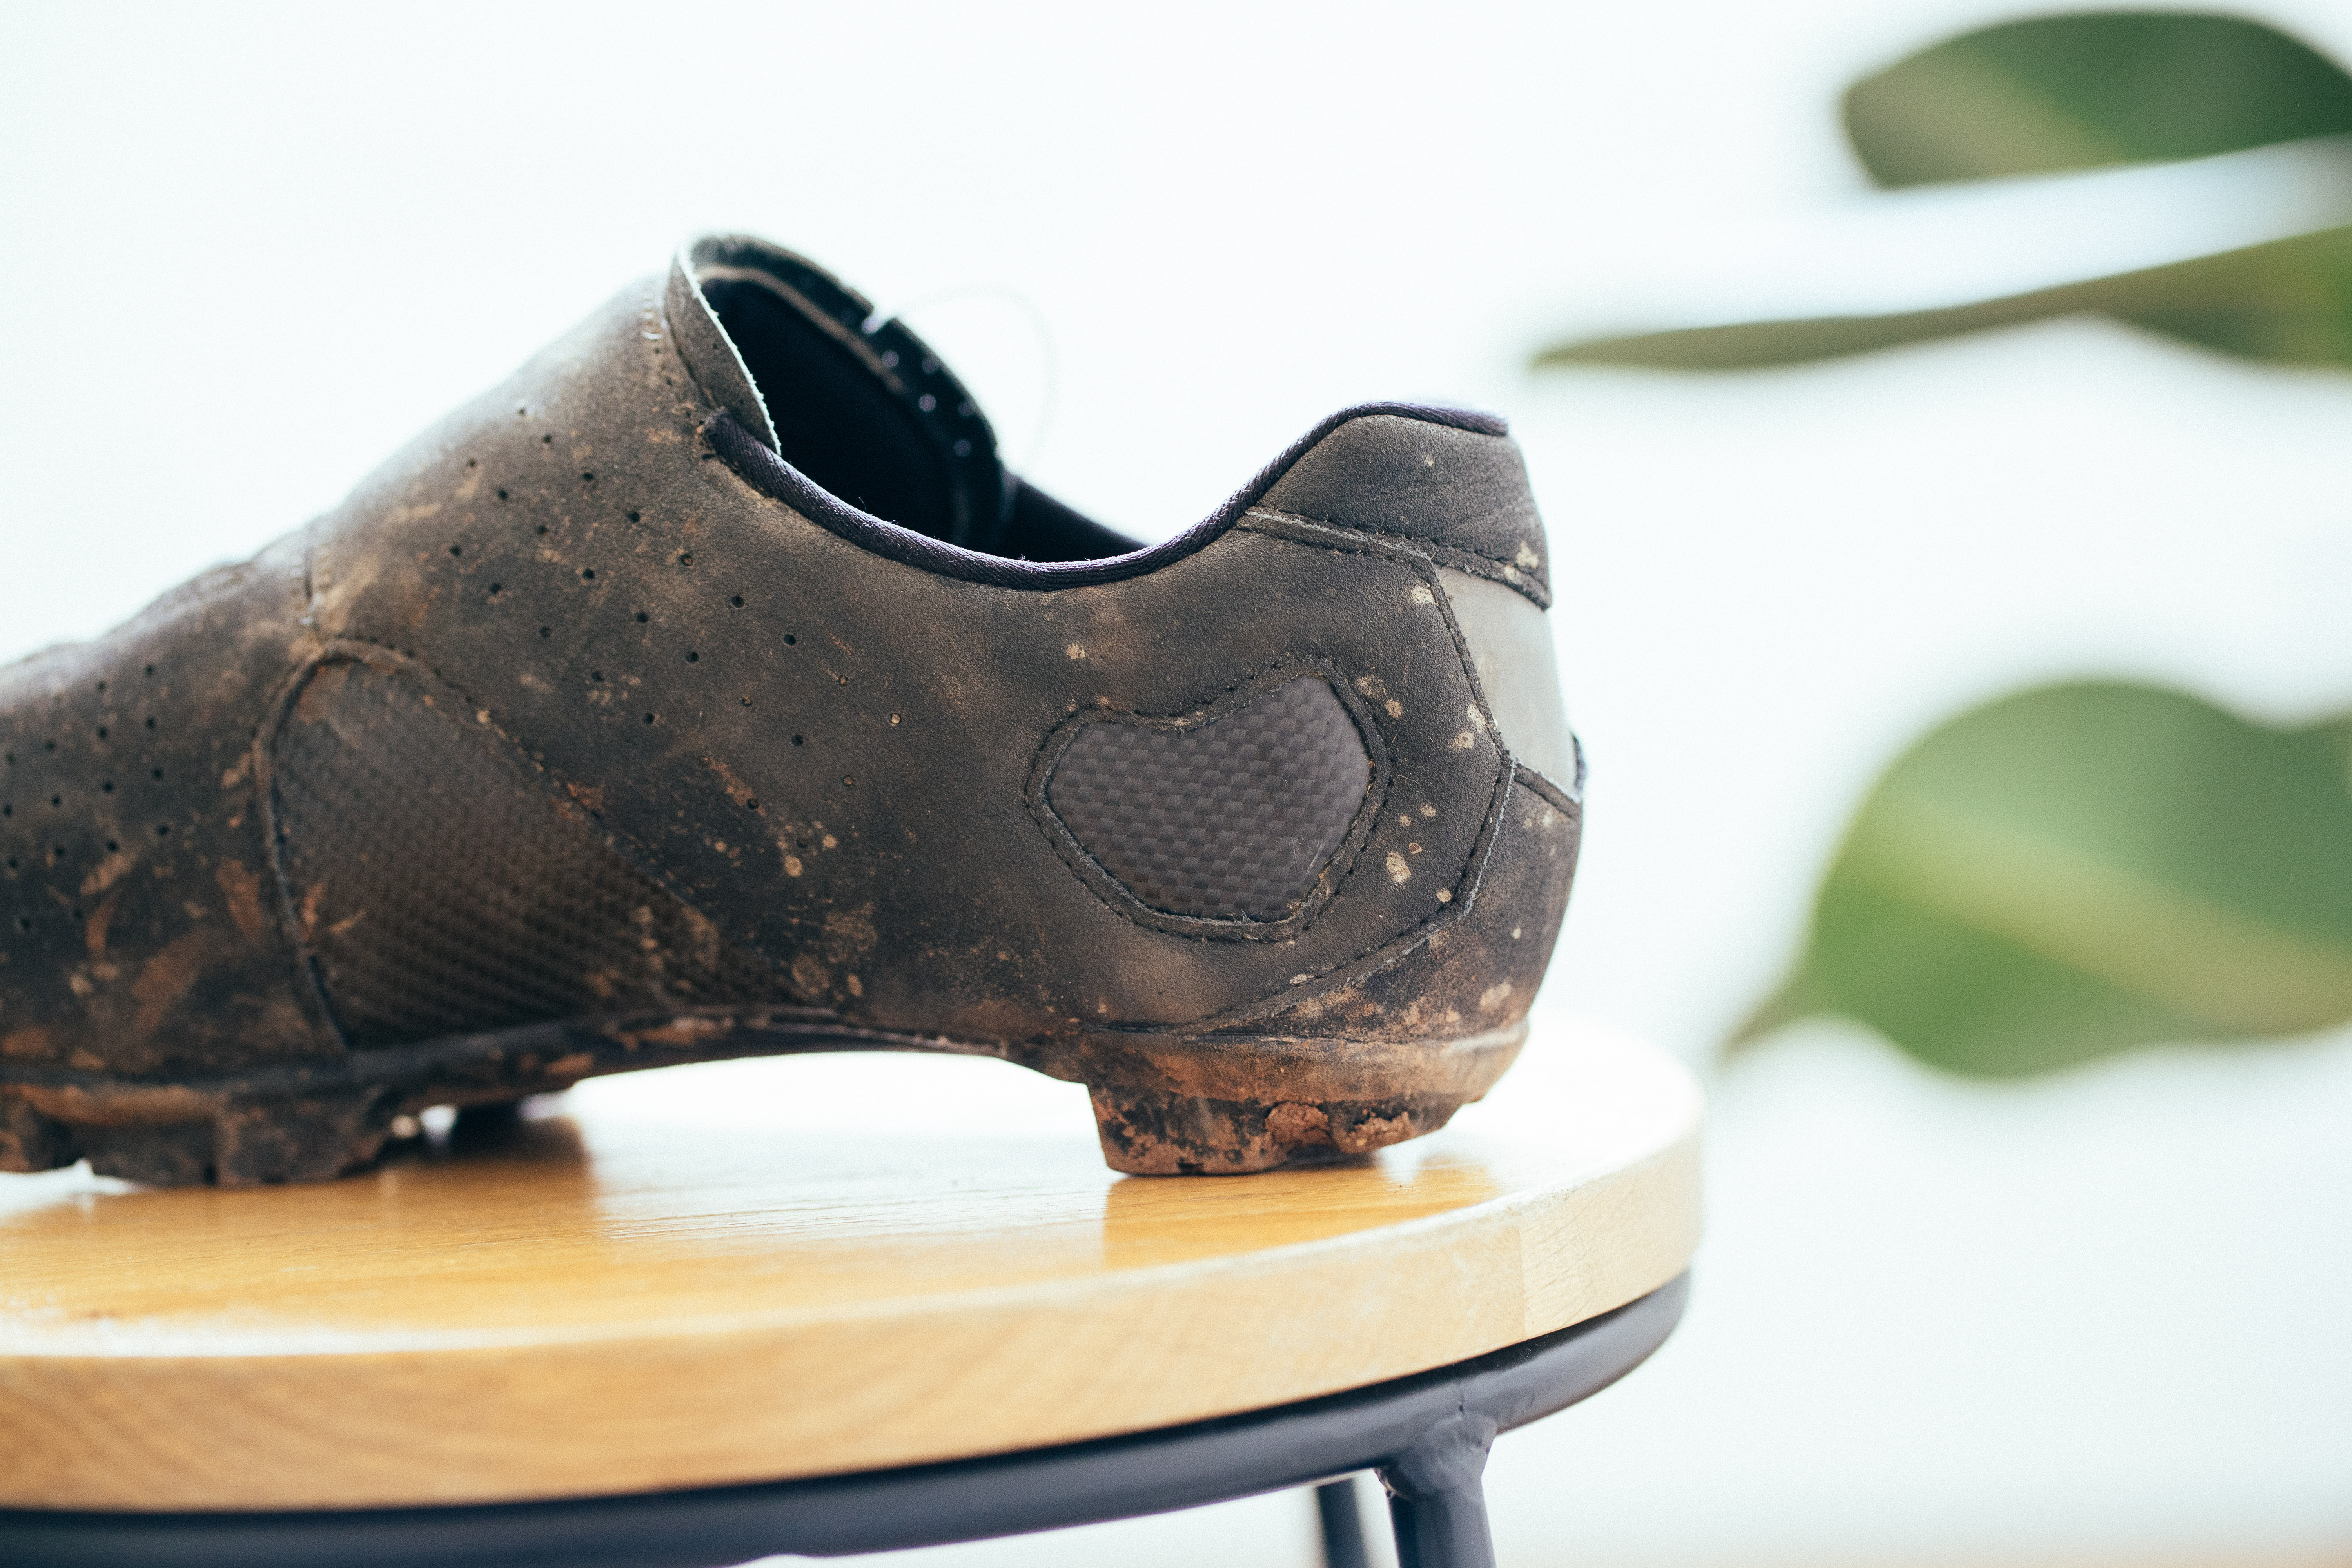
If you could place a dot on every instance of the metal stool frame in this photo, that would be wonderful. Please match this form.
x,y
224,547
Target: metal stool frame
x,y
1427,1435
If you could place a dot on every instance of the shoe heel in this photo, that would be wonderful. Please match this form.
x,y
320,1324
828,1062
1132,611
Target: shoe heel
x,y
1224,1107
1146,1133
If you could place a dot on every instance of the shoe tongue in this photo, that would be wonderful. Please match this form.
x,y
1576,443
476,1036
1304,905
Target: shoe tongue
x,y
862,409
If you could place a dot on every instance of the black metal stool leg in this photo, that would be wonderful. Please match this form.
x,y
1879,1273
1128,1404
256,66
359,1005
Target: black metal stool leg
x,y
1448,1530
1343,1525
1437,1504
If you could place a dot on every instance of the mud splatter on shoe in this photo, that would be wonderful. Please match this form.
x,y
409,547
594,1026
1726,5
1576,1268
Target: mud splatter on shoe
x,y
710,689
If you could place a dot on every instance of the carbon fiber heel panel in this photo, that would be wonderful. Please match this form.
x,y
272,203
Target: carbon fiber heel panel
x,y
442,886
1229,820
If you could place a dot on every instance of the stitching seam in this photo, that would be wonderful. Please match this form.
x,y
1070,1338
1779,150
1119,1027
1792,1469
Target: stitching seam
x,y
1556,797
384,657
1535,584
1306,531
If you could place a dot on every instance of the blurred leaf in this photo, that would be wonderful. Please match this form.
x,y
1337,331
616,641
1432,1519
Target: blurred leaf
x,y
2085,90
2084,869
2289,302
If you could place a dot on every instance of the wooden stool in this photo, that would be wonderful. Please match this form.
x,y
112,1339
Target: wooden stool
x,y
826,1305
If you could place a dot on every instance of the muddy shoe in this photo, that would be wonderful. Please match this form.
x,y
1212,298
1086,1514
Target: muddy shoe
x,y
709,689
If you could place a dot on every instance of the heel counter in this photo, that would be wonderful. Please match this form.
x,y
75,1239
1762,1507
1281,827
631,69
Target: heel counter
x,y
1461,497
1479,974
1510,643
1452,486
1457,492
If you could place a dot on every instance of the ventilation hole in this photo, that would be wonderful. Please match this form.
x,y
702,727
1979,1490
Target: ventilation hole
x,y
588,573
12,862
751,805
150,669
642,617
496,588
111,846
790,639
747,702
57,852
587,478
162,830
158,773
801,842
797,740
151,723
56,800
547,440
686,557
7,811
473,462
101,732
76,915
596,674
649,718
692,657
24,922
547,631
457,549
637,516
48,745
106,787
737,600
101,686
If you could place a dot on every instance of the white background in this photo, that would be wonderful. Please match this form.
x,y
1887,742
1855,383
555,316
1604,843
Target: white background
x,y
243,254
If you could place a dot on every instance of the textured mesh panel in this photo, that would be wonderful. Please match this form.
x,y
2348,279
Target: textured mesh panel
x,y
1230,819
445,888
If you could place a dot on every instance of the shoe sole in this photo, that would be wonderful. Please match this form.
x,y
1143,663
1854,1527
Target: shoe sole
x,y
1164,1105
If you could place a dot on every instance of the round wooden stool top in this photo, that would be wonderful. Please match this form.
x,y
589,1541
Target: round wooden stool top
x,y
758,1270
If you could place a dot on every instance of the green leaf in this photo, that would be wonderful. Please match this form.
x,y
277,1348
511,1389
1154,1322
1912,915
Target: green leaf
x,y
2287,302
2085,868
2085,90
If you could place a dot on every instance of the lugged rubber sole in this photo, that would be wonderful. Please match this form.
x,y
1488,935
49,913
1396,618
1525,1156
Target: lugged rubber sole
x,y
1226,1105
1164,1105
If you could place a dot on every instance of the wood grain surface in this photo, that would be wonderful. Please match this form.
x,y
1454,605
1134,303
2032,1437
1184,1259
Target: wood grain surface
x,y
755,1270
